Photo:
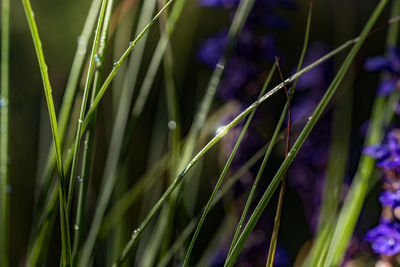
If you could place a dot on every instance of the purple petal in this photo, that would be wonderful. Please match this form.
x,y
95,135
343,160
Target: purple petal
x,y
376,151
378,63
387,86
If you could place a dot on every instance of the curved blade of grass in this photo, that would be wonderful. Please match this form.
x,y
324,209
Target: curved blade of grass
x,y
225,170
66,106
89,139
136,234
89,77
302,137
4,92
65,238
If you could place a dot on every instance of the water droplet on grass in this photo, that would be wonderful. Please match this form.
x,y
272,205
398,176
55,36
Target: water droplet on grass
x,y
171,125
3,102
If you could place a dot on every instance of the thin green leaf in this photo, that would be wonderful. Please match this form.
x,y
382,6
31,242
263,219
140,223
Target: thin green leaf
x,y
65,238
4,92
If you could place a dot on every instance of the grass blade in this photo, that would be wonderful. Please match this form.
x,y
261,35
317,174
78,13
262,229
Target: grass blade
x,y
4,92
65,238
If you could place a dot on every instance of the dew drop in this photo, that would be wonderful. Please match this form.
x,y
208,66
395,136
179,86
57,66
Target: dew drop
x,y
3,102
171,125
82,41
97,58
309,118
130,43
391,241
220,66
136,232
76,227
79,179
115,64
80,121
221,130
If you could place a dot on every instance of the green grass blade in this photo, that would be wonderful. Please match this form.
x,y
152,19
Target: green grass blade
x,y
4,92
302,137
65,238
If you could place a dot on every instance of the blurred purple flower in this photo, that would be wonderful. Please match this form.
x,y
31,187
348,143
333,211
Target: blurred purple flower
x,y
318,78
219,3
389,198
388,153
311,86
212,48
385,238
390,65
